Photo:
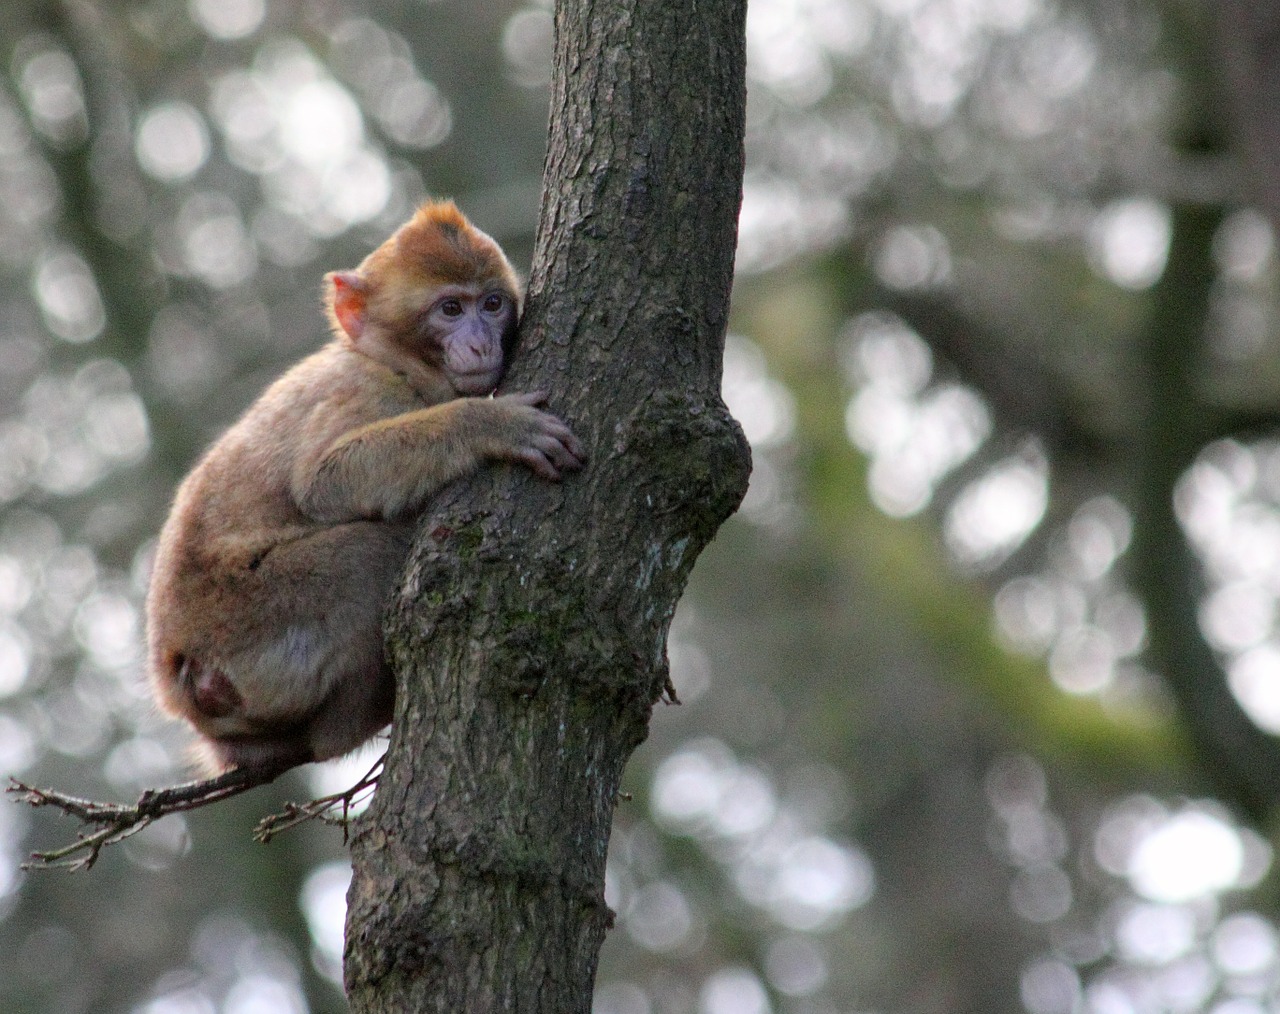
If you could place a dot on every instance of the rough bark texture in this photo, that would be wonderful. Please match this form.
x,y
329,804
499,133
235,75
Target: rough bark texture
x,y
530,631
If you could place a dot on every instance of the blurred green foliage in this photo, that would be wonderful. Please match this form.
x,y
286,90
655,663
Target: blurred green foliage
x,y
981,686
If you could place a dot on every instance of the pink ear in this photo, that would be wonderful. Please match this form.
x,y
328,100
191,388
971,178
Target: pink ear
x,y
349,293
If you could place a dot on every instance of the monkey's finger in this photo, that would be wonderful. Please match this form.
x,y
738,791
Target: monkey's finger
x,y
553,427
532,398
569,461
556,428
561,456
576,449
569,446
539,463
573,454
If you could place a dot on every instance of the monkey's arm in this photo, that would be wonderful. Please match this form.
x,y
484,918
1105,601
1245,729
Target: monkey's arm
x,y
387,469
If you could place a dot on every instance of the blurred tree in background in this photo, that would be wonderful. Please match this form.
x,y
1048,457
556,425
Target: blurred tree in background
x,y
982,685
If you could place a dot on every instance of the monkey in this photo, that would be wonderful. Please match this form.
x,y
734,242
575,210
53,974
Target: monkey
x,y
283,544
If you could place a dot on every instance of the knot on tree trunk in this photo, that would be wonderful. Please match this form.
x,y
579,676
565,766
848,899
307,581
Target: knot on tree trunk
x,y
689,459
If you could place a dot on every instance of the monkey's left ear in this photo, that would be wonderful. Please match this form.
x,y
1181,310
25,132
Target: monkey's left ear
x,y
347,294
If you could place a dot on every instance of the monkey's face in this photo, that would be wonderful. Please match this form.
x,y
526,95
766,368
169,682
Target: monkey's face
x,y
437,303
471,326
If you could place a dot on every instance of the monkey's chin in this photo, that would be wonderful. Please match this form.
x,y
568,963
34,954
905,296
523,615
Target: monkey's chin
x,y
475,384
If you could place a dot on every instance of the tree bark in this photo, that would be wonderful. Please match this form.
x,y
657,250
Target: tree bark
x,y
530,631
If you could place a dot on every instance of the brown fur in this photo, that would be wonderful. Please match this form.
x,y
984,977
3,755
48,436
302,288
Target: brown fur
x,y
264,611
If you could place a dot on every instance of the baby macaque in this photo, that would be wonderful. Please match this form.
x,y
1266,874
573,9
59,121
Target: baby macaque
x,y
283,544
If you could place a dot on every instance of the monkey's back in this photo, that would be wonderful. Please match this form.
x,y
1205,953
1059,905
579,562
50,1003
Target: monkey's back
x,y
238,560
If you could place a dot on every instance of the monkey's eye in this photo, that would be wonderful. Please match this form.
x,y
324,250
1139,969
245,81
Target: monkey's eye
x,y
492,302
451,308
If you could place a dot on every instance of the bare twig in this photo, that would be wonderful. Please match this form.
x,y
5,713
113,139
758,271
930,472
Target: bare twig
x,y
116,821
319,809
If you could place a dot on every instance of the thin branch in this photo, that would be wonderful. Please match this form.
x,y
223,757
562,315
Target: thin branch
x,y
116,821
319,809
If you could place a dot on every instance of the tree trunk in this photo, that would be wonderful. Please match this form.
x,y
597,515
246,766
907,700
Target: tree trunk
x,y
530,631
1249,63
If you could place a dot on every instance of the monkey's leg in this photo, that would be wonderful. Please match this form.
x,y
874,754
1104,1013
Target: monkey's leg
x,y
311,680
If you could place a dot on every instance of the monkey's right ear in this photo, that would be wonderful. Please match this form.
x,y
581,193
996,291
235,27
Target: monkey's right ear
x,y
346,297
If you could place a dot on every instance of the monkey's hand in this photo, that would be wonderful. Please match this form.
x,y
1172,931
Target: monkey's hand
x,y
536,438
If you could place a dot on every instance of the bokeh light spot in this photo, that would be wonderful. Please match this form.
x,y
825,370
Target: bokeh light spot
x,y
324,904
172,142
1129,242
228,19
1191,855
